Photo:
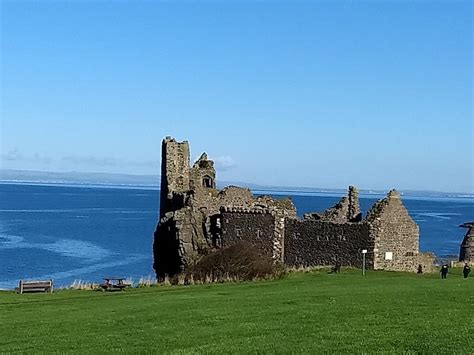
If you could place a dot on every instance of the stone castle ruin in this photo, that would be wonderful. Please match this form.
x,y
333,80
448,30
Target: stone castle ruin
x,y
466,254
197,219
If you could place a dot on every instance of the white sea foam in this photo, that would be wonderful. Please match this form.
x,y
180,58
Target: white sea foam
x,y
52,210
86,251
76,249
130,212
65,247
10,240
444,216
133,218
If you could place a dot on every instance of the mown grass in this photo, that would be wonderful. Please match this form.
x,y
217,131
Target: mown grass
x,y
305,312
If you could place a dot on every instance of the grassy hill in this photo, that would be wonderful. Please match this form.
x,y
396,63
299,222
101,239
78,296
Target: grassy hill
x,y
312,312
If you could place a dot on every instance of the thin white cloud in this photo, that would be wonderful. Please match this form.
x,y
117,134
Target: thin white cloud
x,y
11,155
90,160
108,161
15,159
224,162
14,155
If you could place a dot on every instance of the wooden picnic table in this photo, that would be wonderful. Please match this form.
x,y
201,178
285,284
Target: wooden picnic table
x,y
113,284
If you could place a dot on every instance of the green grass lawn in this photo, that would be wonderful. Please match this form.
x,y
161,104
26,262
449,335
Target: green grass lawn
x,y
312,313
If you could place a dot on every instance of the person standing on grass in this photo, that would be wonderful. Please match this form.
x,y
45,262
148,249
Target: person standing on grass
x,y
420,269
444,271
466,271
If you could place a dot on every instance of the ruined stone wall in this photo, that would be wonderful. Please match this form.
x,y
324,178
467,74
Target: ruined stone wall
x,y
279,234
396,236
210,200
466,253
354,213
166,248
179,240
256,227
346,210
236,196
285,205
321,243
426,260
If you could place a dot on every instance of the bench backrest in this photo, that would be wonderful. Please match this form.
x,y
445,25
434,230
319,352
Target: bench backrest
x,y
36,286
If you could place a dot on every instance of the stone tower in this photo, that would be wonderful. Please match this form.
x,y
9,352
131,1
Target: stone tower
x,y
174,175
467,247
181,184
188,205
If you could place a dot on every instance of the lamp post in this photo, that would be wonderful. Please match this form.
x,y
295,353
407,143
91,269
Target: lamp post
x,y
364,251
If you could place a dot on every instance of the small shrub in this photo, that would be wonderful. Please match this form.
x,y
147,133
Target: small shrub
x,y
239,262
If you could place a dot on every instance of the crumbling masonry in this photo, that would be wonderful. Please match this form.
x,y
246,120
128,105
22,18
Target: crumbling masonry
x,y
196,219
466,254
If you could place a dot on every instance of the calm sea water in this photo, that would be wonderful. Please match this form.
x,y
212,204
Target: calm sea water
x,y
68,233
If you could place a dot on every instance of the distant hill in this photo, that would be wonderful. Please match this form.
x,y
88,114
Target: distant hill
x,y
153,181
72,177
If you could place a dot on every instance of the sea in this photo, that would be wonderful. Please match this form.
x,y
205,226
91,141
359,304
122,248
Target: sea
x,y
69,233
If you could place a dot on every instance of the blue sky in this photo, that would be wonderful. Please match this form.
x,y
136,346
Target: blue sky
x,y
297,93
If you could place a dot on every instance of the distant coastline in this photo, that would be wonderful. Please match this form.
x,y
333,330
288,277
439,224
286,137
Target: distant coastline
x,y
151,182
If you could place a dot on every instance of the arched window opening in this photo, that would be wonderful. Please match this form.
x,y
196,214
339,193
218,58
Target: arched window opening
x,y
207,182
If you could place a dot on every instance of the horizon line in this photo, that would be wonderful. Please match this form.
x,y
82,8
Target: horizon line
x,y
250,185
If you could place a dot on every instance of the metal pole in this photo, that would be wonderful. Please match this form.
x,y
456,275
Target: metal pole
x,y
363,264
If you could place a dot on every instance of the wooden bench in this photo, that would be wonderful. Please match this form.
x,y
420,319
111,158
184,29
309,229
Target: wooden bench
x,y
35,286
